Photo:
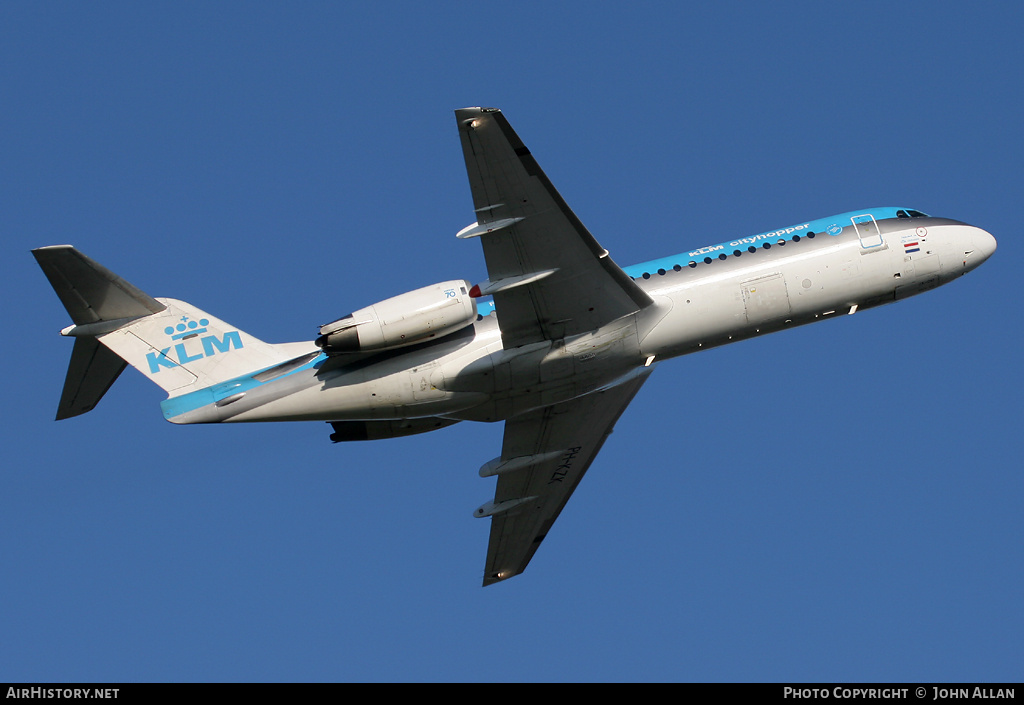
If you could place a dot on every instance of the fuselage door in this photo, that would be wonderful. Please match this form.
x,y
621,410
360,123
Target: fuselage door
x,y
766,298
867,231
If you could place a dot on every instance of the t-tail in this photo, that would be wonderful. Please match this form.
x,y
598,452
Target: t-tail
x,y
178,346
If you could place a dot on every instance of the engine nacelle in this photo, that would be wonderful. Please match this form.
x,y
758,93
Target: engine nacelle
x,y
414,317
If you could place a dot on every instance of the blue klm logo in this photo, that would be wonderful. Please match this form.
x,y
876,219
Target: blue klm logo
x,y
187,330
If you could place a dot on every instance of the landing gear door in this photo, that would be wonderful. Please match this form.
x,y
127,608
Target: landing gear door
x,y
867,231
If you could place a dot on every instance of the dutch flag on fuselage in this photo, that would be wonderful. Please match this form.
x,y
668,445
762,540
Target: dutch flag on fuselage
x,y
912,241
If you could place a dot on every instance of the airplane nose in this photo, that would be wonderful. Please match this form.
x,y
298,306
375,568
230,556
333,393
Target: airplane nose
x,y
984,245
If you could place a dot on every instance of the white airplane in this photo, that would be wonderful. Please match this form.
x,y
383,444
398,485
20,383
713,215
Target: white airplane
x,y
559,350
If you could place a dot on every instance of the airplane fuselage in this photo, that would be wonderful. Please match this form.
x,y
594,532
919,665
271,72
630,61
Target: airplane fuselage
x,y
703,298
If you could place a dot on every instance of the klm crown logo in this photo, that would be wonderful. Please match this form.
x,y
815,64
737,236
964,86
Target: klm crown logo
x,y
190,330
187,330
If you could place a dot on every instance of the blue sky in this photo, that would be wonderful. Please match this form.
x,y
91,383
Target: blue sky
x,y
838,502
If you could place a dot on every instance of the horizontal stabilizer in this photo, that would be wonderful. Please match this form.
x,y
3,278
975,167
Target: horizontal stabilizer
x,y
93,369
89,291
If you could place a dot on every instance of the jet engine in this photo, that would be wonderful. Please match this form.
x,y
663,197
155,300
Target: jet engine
x,y
423,314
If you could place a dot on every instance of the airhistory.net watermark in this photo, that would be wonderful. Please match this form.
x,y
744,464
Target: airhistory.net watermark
x,y
61,693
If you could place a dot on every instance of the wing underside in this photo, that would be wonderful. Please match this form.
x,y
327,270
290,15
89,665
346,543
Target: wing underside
x,y
544,456
549,277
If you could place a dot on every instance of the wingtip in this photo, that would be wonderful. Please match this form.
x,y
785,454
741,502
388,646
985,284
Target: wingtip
x,y
37,250
463,114
499,577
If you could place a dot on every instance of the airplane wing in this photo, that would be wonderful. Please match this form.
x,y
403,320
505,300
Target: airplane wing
x,y
543,457
549,277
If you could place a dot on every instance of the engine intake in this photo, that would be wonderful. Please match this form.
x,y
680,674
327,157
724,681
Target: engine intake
x,y
410,318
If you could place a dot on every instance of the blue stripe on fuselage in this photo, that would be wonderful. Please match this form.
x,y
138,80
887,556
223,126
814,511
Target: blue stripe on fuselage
x,y
175,406
818,227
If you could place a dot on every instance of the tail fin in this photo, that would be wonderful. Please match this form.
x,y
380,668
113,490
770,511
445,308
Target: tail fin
x,y
178,346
